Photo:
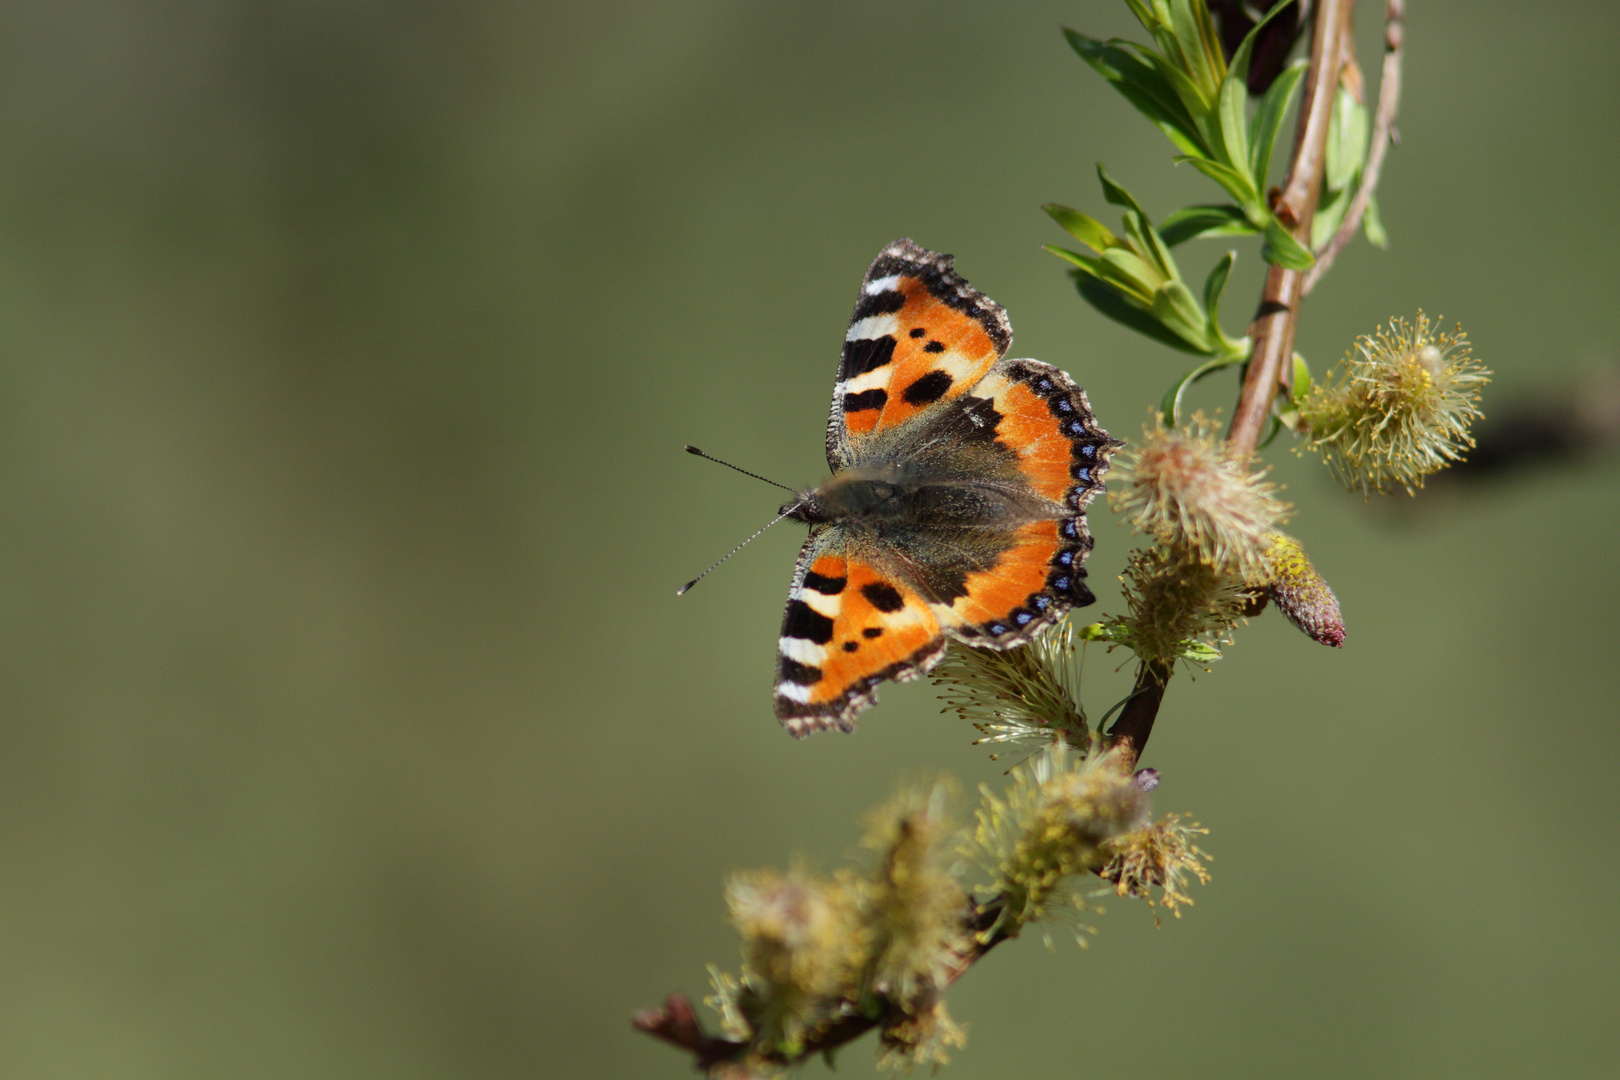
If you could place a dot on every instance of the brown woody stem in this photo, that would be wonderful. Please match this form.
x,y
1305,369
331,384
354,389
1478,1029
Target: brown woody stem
x,y
1383,134
1272,331
676,1022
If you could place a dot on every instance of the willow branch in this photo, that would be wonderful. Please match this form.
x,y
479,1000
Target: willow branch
x,y
1273,328
1389,99
677,1024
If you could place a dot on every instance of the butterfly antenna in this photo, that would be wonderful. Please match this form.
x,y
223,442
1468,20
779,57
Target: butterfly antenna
x,y
684,589
694,450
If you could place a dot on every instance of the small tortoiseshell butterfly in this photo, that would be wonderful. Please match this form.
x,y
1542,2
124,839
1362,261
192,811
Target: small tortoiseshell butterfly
x,y
956,508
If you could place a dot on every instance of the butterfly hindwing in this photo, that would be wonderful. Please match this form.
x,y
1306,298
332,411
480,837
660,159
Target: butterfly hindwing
x,y
920,335
1042,416
849,625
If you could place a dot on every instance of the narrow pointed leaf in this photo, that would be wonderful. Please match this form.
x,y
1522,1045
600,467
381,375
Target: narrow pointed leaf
x,y
1116,307
1142,85
1236,184
1192,222
1144,15
1346,142
1199,107
1268,118
1132,274
1235,125
1084,262
1145,241
1161,253
1195,57
1281,249
1330,210
1117,195
1175,307
1214,285
1083,227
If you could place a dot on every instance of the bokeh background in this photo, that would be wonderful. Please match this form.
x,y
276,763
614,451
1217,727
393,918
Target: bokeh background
x,y
351,726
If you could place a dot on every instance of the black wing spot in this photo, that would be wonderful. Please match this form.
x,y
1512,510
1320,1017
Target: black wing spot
x,y
883,596
826,586
931,387
872,632
804,621
803,674
918,331
934,346
865,354
851,646
870,399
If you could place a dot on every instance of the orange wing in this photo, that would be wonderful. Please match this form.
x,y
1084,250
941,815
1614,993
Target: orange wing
x,y
849,625
920,335
1041,415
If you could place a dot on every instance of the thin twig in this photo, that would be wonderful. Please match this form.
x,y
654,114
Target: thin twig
x,y
676,1022
1389,99
1273,328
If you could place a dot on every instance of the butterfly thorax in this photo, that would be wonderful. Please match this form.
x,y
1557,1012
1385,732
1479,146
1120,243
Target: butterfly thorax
x,y
876,496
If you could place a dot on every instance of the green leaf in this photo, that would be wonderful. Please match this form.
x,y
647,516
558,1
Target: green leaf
x,y
1144,15
1190,40
1281,249
1110,303
1373,225
1145,241
1346,141
1192,222
1234,124
1301,380
1268,118
1140,84
1199,108
1236,184
1117,195
1083,227
1330,210
1130,273
1214,285
1084,262
1170,404
1161,253
1175,307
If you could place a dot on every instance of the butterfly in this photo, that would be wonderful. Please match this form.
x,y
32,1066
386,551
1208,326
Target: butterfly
x,y
956,506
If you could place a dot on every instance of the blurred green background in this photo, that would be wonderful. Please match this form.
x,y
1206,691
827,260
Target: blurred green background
x,y
351,725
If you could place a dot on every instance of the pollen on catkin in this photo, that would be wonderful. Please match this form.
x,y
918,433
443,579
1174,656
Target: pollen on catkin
x,y
1182,487
1160,856
1400,408
1049,828
1178,607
